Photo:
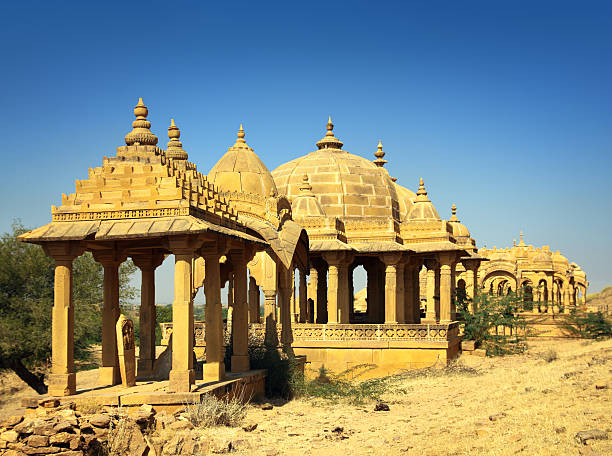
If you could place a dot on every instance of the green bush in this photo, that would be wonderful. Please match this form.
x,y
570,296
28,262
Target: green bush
x,y
496,325
589,325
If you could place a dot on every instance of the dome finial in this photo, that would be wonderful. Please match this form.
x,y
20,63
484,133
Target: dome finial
x,y
174,149
240,135
522,243
329,141
140,134
305,186
422,193
453,214
379,154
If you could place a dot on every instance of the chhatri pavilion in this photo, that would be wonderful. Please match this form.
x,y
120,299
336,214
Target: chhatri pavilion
x,y
313,220
547,278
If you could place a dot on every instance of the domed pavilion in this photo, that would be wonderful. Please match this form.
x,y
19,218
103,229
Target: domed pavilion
x,y
547,278
355,215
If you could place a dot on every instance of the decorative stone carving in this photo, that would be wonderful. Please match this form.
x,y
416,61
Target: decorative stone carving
x,y
126,350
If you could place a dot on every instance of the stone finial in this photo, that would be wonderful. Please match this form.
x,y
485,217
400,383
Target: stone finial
x,y
453,214
305,186
522,243
175,147
240,135
379,154
421,192
141,133
329,141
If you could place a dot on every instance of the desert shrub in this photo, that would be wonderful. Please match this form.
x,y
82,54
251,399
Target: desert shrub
x,y
496,325
588,325
334,388
212,411
550,355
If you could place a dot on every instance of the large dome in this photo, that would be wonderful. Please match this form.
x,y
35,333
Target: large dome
x,y
241,170
346,185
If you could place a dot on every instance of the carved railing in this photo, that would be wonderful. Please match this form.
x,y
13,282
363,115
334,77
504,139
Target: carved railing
x,y
344,332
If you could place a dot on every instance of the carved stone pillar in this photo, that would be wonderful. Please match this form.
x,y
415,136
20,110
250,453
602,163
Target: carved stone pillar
x,y
254,314
271,335
453,291
313,287
214,368
338,289
240,315
285,291
322,296
182,375
108,373
303,299
393,308
409,307
416,298
445,287
147,263
430,315
62,379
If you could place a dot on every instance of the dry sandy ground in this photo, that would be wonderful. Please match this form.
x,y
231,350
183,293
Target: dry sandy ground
x,y
545,405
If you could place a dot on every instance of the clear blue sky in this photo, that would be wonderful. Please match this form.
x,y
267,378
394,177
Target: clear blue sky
x,y
504,108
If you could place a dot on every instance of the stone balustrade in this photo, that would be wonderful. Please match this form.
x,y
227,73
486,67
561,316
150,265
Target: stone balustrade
x,y
345,332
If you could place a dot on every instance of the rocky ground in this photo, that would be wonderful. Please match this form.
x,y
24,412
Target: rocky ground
x,y
553,400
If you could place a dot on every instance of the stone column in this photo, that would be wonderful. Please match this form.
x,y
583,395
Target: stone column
x,y
285,291
214,368
437,292
108,372
313,291
303,317
240,315
453,292
322,296
147,263
271,335
230,301
416,298
430,315
182,375
293,301
392,304
254,315
409,309
337,288
62,379
332,294
445,287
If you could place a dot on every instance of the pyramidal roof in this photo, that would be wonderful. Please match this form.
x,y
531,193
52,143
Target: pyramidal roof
x,y
144,183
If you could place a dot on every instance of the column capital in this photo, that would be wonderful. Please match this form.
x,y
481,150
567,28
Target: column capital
x,y
447,258
430,264
470,263
391,259
148,260
338,257
63,250
184,244
109,257
211,249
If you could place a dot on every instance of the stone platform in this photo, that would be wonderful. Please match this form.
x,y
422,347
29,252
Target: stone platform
x,y
250,384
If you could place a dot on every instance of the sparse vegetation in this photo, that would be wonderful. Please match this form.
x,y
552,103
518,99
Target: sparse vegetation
x,y
496,325
212,411
589,325
550,355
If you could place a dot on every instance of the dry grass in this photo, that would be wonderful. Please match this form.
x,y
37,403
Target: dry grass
x,y
540,406
212,411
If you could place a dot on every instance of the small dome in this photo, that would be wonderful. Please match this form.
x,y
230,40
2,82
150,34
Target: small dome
x,y
241,170
459,229
306,203
558,258
542,260
406,199
422,208
344,184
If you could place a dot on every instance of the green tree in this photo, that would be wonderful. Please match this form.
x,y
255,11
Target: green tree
x,y
26,300
497,324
